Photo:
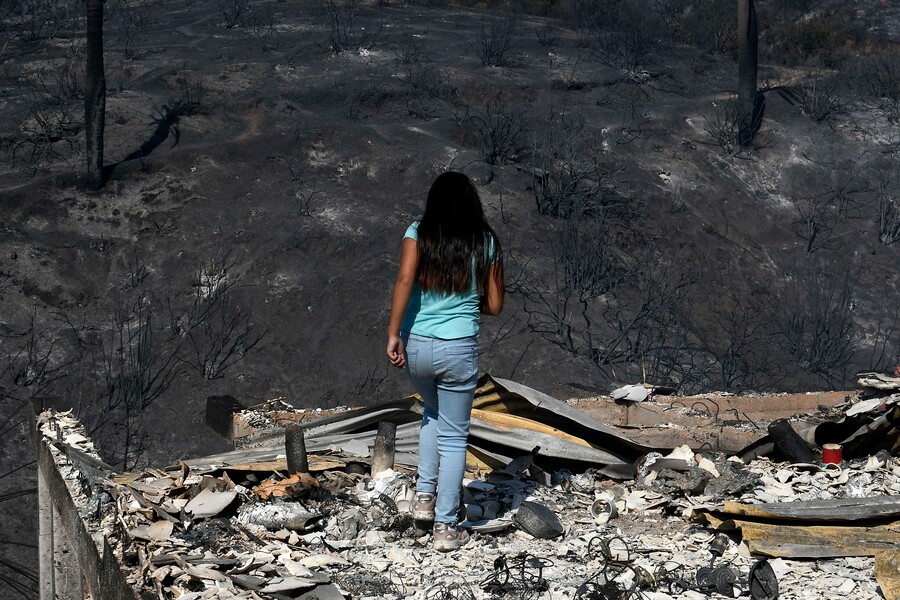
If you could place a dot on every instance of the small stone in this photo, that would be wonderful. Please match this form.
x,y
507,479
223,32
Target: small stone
x,y
294,568
847,586
322,560
375,539
400,556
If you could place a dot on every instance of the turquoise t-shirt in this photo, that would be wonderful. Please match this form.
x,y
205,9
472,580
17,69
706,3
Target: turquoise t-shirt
x,y
438,314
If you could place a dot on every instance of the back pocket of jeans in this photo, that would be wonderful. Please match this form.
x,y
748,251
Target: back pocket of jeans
x,y
462,363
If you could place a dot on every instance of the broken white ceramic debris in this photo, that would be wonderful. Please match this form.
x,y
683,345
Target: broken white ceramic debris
x,y
160,531
287,584
209,503
864,406
707,465
631,393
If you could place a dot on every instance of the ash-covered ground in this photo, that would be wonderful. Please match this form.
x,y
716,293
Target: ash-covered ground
x,y
264,163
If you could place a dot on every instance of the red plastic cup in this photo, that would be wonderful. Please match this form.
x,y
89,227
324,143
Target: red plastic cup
x,y
832,454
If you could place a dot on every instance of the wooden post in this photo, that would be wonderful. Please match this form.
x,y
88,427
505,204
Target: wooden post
x,y
295,448
385,443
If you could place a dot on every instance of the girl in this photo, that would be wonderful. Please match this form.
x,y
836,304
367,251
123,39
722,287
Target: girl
x,y
451,268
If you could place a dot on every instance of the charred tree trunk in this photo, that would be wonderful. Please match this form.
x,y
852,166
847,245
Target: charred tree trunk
x,y
94,95
748,42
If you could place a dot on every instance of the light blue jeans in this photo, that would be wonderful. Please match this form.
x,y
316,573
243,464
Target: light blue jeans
x,y
445,374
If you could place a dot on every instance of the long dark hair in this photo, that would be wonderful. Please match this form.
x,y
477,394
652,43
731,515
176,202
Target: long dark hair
x,y
452,232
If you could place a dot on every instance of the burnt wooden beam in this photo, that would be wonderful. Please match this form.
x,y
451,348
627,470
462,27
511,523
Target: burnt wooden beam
x,y
295,449
816,541
805,539
385,444
790,443
831,509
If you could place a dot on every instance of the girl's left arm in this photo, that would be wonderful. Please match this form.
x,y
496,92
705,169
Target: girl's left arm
x,y
406,276
496,291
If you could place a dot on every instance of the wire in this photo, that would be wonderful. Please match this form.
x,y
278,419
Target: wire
x,y
19,468
12,543
17,494
452,591
25,591
21,569
521,574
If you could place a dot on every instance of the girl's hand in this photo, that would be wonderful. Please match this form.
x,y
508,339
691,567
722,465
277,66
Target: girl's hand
x,y
406,276
395,351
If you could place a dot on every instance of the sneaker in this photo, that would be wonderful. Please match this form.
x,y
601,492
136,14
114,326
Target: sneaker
x,y
423,507
449,536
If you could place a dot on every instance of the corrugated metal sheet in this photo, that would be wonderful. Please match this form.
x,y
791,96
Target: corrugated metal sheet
x,y
509,420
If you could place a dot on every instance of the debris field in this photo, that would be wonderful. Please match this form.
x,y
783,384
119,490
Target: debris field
x,y
641,524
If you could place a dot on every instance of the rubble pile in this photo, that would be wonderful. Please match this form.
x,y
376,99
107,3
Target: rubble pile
x,y
686,524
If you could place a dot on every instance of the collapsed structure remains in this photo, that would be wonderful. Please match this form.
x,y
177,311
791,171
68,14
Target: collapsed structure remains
x,y
315,504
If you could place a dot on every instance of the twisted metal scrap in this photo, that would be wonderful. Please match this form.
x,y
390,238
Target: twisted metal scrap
x,y
450,591
619,579
617,582
371,584
521,575
613,551
672,576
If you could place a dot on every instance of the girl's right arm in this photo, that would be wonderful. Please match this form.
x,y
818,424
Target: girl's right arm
x,y
406,276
